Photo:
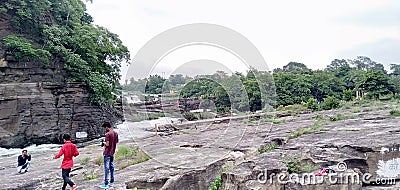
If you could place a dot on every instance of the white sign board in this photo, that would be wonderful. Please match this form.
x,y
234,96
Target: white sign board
x,y
80,135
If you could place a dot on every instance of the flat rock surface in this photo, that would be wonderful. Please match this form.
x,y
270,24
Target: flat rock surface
x,y
192,157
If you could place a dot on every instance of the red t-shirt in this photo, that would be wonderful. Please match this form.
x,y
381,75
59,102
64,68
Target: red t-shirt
x,y
68,150
112,138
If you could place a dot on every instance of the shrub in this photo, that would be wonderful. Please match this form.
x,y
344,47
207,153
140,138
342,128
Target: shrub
x,y
394,113
190,116
85,160
312,104
216,184
293,165
330,103
23,49
347,95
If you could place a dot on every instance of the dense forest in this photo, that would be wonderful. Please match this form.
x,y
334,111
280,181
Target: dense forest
x,y
292,84
51,31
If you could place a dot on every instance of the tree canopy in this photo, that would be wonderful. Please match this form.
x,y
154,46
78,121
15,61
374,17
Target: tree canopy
x,y
292,84
48,30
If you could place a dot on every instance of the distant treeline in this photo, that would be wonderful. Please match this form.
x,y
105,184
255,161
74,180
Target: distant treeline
x,y
292,84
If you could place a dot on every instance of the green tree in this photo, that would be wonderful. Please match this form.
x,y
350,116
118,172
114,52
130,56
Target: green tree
x,y
395,69
155,85
297,68
91,54
376,83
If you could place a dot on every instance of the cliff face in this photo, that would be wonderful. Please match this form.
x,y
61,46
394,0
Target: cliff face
x,y
36,107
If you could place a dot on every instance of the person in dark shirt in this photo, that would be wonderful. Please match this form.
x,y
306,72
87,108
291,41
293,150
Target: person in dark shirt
x,y
110,144
24,161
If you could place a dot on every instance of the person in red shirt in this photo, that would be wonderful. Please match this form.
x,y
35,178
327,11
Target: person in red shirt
x,y
110,145
69,150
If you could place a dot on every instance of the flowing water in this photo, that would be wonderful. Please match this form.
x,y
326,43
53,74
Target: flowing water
x,y
126,131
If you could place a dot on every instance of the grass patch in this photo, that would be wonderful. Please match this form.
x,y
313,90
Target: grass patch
x,y
293,165
395,113
85,160
356,111
346,106
146,116
303,131
138,157
88,176
269,119
124,152
293,109
307,168
365,103
227,168
340,117
99,160
367,110
267,148
317,117
252,120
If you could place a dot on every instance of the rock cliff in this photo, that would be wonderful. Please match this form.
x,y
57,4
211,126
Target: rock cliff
x,y
37,107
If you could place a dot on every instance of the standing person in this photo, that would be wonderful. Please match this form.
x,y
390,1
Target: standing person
x,y
24,161
109,150
68,150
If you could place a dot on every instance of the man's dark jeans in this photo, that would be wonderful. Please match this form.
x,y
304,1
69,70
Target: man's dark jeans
x,y
108,168
65,176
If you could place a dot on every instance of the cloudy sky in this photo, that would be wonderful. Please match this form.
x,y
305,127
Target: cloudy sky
x,y
310,32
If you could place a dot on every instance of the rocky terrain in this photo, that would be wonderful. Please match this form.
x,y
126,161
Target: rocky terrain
x,y
246,154
37,107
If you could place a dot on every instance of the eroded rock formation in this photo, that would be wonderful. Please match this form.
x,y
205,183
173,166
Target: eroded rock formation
x,y
37,107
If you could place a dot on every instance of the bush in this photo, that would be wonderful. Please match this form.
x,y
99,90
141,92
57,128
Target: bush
x,y
216,184
23,49
312,104
293,165
330,103
190,116
347,95
394,113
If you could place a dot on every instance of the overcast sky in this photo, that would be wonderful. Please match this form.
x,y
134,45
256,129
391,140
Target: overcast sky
x,y
310,32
